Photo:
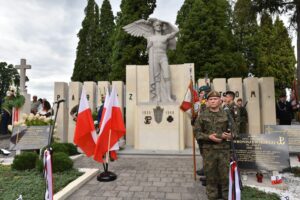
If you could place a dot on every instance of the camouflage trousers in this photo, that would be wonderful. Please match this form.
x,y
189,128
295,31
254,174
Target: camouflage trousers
x,y
216,169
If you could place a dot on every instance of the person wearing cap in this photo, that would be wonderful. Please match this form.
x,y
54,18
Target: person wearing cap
x,y
233,108
211,128
203,91
284,110
243,116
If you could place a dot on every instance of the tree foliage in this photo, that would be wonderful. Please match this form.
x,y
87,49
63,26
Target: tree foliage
x,y
275,53
87,60
292,8
245,29
8,76
106,29
127,49
206,39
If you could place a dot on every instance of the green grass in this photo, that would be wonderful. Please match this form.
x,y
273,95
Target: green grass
x,y
249,193
296,171
31,183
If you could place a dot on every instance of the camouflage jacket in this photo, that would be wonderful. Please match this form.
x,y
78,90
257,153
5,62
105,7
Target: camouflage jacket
x,y
212,122
235,113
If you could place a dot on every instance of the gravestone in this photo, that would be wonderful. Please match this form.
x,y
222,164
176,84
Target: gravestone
x,y
292,132
101,88
251,93
267,101
90,89
262,152
219,85
29,138
75,89
131,102
202,82
23,91
61,92
236,85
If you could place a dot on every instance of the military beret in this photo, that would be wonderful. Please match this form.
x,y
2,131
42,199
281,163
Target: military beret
x,y
213,93
204,88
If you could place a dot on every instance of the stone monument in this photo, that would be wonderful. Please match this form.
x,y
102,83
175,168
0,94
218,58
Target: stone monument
x,y
23,91
153,118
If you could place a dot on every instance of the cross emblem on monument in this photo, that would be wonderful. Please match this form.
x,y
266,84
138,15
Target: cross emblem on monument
x,y
22,67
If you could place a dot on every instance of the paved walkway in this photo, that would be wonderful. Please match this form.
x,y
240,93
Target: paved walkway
x,y
143,177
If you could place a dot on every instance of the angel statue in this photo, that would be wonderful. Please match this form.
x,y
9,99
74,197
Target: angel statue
x,y
160,36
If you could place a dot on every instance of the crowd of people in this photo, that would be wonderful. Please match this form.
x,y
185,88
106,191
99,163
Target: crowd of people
x,y
38,106
41,106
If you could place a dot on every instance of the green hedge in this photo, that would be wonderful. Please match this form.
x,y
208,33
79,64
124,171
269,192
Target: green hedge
x,y
67,148
25,161
30,183
61,162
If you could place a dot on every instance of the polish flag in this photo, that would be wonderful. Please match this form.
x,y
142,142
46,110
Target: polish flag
x,y
234,192
191,98
85,134
112,127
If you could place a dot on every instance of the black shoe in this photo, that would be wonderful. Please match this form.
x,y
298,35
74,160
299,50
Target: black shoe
x,y
200,172
203,183
203,178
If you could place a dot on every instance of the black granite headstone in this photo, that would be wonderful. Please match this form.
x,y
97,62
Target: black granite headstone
x,y
29,138
293,134
263,152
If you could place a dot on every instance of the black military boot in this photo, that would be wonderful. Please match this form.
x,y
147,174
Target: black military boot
x,y
200,172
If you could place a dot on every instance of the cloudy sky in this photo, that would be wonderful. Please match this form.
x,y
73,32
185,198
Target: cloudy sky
x,y
44,32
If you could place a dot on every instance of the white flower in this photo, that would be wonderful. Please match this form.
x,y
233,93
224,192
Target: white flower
x,y
30,118
47,120
10,127
37,116
24,116
42,118
55,130
8,93
12,88
31,115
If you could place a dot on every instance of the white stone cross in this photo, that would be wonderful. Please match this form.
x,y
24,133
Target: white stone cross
x,y
22,67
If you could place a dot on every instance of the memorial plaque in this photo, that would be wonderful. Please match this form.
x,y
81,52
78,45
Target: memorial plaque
x,y
263,152
293,134
31,137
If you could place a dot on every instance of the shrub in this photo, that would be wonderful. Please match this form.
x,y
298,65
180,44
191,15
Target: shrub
x,y
72,149
67,148
24,161
61,162
296,171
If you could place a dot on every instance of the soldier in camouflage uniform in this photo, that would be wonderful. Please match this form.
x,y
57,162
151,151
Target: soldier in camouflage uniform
x,y
244,116
203,91
210,127
233,108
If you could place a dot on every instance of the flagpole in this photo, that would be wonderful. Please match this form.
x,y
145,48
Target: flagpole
x,y
107,153
193,118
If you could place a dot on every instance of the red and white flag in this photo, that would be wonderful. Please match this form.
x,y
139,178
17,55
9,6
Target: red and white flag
x,y
85,134
191,98
112,127
234,192
48,175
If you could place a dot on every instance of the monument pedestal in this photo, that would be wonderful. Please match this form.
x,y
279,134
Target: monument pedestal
x,y
144,129
159,127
